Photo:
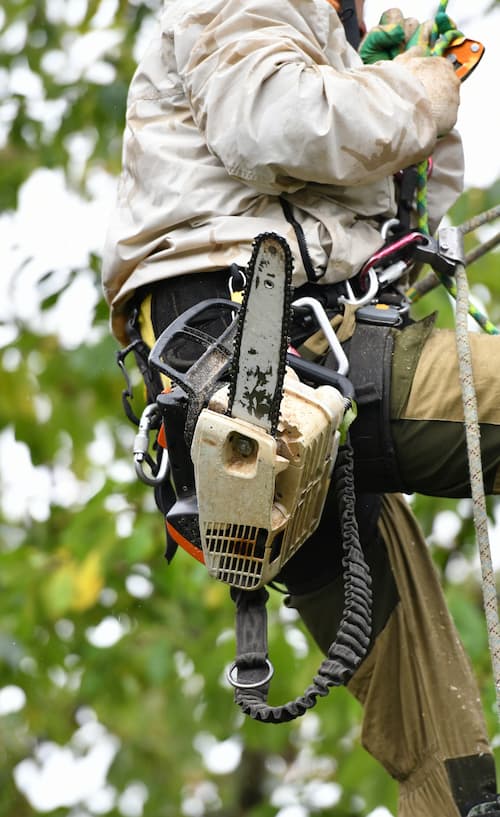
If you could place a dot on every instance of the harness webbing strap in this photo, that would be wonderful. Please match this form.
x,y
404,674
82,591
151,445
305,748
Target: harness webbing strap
x,y
370,353
251,637
353,637
307,263
350,22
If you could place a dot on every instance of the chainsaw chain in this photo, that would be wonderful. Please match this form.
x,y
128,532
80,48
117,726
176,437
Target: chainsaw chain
x,y
285,320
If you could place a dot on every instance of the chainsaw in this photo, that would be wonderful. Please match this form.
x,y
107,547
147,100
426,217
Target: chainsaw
x,y
252,448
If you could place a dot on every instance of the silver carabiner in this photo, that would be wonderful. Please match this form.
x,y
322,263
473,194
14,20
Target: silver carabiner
x,y
373,288
141,447
387,227
393,272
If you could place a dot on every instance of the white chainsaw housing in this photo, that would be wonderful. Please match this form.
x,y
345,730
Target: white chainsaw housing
x,y
260,497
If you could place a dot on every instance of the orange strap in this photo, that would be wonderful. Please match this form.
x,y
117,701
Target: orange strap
x,y
179,539
335,4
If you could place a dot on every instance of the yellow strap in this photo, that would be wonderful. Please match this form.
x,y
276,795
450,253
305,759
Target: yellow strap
x,y
145,323
148,335
317,345
237,297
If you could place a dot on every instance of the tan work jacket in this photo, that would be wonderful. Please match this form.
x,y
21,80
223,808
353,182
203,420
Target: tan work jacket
x,y
236,103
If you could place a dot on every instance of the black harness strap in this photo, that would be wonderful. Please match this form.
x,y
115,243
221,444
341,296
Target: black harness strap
x,y
308,265
141,351
350,22
370,353
408,180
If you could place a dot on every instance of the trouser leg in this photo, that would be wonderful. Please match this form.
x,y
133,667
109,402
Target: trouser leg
x,y
422,714
416,443
427,416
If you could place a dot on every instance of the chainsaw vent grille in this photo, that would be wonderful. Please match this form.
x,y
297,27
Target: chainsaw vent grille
x,y
312,490
235,553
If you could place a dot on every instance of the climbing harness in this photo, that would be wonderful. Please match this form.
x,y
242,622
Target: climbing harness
x,y
174,419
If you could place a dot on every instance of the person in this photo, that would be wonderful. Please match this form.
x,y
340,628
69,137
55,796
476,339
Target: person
x,y
255,117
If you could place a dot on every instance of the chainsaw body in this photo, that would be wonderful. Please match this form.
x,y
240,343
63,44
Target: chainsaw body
x,y
261,496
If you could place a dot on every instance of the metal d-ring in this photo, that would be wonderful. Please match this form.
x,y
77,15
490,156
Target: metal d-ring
x,y
254,684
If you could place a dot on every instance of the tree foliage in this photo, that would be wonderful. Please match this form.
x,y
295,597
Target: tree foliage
x,y
111,663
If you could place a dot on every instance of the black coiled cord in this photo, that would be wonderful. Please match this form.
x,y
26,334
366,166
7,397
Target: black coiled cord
x,y
353,636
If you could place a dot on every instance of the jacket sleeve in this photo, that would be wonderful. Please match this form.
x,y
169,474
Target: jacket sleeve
x,y
278,114
446,182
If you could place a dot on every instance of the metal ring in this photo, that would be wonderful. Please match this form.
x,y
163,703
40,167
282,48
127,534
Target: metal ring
x,y
254,684
230,284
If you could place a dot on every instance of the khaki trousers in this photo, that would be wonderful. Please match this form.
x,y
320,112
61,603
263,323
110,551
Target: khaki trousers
x,y
422,713
427,411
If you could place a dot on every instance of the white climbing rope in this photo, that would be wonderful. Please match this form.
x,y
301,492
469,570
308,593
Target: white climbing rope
x,y
472,433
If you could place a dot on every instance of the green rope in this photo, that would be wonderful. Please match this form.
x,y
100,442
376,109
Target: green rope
x,y
414,294
481,319
443,5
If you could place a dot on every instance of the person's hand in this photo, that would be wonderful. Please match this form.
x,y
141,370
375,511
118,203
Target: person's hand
x,y
389,38
440,82
437,27
395,34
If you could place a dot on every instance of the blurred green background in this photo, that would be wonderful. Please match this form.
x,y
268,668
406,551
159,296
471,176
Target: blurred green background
x,y
112,691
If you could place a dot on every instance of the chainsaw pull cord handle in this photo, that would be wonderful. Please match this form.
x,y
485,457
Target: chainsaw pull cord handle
x,y
352,640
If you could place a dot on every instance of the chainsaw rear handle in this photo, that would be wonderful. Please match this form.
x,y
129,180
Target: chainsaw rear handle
x,y
185,327
186,334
